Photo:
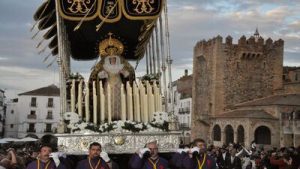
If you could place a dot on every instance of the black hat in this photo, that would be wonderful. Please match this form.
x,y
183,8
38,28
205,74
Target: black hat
x,y
49,141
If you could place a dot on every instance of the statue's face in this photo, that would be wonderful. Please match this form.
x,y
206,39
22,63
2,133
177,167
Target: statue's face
x,y
113,60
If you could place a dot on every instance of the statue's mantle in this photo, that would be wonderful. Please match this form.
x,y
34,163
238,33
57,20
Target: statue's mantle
x,y
121,143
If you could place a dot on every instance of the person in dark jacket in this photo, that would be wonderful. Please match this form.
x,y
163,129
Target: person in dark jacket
x,y
95,159
223,157
197,157
234,162
148,158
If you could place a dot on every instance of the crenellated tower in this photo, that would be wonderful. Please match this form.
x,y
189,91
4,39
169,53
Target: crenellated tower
x,y
226,74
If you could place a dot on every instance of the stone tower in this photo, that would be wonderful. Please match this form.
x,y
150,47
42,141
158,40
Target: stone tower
x,y
226,74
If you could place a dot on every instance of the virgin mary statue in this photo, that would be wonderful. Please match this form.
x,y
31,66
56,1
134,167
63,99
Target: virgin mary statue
x,y
112,70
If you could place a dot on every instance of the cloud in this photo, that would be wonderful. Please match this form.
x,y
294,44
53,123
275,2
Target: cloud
x,y
189,21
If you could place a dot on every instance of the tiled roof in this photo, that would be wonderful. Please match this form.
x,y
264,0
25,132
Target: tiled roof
x,y
261,114
286,99
51,90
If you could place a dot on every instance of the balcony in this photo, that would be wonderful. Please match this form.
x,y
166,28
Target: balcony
x,y
185,110
31,130
31,116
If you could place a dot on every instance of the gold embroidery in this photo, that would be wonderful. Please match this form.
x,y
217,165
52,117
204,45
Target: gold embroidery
x,y
79,6
143,6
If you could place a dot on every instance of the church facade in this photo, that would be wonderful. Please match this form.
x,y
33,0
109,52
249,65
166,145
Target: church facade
x,y
240,94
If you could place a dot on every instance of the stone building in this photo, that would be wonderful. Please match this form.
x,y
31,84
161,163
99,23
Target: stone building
x,y
34,113
182,93
226,76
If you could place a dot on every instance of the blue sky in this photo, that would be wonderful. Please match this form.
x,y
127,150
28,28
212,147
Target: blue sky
x,y
22,69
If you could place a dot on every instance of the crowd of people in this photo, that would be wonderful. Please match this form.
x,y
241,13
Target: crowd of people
x,y
197,155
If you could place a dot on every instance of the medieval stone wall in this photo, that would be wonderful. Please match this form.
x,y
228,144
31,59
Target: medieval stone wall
x,y
225,74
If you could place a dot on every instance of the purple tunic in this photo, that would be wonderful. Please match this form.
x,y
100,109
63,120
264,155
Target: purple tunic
x,y
137,163
34,165
192,163
84,164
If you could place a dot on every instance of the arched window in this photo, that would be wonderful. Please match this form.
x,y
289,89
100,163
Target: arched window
x,y
217,133
262,135
241,134
229,134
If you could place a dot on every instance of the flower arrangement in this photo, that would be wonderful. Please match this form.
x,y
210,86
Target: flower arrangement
x,y
123,127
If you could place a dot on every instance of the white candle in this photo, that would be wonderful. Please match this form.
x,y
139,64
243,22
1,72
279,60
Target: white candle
x,y
146,114
79,103
142,94
102,103
149,103
123,104
151,106
129,101
108,103
137,105
134,102
87,103
73,96
94,103
155,97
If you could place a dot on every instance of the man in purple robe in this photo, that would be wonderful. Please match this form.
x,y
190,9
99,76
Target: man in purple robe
x,y
96,158
147,158
194,158
46,159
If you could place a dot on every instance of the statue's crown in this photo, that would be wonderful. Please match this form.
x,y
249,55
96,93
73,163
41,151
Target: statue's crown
x,y
110,46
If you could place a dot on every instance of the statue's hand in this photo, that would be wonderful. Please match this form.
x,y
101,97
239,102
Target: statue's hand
x,y
102,75
125,73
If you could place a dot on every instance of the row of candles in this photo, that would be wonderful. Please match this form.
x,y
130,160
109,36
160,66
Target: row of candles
x,y
138,102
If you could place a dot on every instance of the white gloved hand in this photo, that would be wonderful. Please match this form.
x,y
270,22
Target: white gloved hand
x,y
55,158
195,149
142,151
104,156
180,150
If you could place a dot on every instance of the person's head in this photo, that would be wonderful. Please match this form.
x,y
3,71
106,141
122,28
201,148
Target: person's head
x,y
232,151
94,150
223,149
112,60
200,143
45,151
153,149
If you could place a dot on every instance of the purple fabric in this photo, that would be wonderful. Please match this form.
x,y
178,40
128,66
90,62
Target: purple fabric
x,y
191,163
137,163
33,165
84,164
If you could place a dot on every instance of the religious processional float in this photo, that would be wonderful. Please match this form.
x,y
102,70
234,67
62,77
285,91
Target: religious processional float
x,y
112,107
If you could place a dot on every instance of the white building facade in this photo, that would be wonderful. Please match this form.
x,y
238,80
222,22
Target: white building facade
x,y
34,113
183,104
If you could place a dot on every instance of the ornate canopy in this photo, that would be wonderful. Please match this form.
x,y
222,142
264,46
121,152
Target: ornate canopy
x,y
88,22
